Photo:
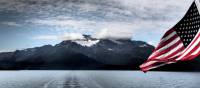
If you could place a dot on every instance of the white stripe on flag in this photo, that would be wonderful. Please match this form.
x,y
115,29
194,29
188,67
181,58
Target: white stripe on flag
x,y
170,52
168,37
166,46
196,52
156,66
148,63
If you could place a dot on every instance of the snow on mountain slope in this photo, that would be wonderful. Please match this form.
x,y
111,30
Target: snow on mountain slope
x,y
88,43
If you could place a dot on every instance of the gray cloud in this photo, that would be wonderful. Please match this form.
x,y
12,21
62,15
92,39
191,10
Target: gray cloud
x,y
125,10
10,23
120,18
65,36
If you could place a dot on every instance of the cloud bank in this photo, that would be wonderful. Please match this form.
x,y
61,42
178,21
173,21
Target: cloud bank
x,y
65,36
102,18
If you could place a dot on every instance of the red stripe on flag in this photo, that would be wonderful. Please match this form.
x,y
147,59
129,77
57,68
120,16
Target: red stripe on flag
x,y
167,33
189,56
169,57
166,42
183,57
166,50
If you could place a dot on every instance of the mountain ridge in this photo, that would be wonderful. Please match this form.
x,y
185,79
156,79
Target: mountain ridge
x,y
106,54
71,54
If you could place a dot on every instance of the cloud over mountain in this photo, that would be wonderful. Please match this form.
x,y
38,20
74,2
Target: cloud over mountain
x,y
24,21
121,18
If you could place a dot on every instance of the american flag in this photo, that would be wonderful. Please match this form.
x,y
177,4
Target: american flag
x,y
181,43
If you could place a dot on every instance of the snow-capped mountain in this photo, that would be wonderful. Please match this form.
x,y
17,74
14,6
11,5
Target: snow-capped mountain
x,y
87,53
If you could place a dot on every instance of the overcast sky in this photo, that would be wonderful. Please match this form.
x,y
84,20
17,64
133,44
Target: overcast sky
x,y
31,23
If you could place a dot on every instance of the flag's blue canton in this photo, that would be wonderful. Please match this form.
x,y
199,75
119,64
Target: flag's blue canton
x,y
188,27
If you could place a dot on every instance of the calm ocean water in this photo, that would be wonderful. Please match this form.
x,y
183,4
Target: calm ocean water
x,y
98,79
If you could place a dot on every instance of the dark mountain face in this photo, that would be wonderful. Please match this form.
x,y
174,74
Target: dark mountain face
x,y
71,54
120,52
